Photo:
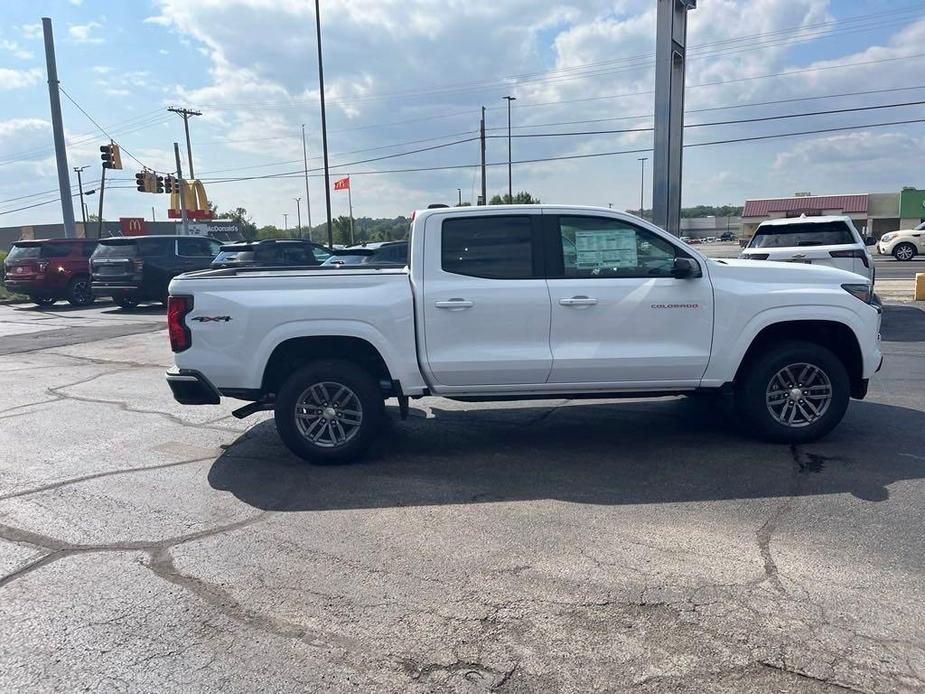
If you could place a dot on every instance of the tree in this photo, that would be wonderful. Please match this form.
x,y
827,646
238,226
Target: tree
x,y
521,198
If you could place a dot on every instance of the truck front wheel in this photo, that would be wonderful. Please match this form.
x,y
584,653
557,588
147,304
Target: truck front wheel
x,y
792,392
329,411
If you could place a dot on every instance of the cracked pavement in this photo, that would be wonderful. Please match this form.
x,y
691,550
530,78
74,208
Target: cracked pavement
x,y
545,546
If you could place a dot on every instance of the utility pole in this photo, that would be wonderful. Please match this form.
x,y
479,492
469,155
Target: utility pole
x,y
484,182
308,200
153,217
298,211
285,222
324,128
350,205
642,184
181,184
186,113
459,192
57,127
99,214
670,60
80,187
510,186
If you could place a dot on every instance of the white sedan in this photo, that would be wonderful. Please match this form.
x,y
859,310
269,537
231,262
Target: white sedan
x,y
904,244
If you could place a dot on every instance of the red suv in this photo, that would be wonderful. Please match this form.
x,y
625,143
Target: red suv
x,y
50,269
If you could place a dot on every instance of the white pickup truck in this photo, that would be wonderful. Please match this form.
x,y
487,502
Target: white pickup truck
x,y
519,302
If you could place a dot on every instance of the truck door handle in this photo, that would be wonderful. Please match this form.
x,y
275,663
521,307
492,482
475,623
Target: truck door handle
x,y
454,304
578,301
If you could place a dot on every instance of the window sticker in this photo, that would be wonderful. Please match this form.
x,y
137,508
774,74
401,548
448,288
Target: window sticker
x,y
610,249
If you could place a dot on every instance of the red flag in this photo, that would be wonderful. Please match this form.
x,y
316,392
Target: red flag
x,y
342,184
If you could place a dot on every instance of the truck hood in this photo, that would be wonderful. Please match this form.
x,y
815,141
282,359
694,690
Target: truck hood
x,y
769,271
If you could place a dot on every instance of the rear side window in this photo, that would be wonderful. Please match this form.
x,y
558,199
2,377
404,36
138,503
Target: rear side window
x,y
197,247
154,247
56,250
491,247
804,234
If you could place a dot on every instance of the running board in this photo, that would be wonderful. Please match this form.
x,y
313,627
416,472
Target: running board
x,y
252,408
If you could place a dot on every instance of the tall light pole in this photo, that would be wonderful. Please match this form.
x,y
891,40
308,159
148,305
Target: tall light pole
x,y
324,128
80,187
642,184
298,211
459,192
510,185
285,222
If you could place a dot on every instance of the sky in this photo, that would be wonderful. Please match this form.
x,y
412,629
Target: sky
x,y
408,75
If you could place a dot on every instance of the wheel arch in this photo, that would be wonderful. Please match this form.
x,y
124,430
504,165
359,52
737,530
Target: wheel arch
x,y
836,336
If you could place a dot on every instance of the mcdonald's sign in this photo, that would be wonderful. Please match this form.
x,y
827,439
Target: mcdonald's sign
x,y
197,204
132,226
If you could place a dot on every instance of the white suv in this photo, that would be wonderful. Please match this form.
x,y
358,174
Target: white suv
x,y
904,244
830,240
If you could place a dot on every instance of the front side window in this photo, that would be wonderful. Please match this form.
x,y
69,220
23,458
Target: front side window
x,y
320,254
603,247
492,247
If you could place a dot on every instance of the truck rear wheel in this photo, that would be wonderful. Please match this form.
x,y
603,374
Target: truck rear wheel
x,y
329,411
792,392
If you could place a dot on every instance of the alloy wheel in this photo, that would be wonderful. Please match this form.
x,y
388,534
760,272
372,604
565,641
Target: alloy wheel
x,y
799,395
328,414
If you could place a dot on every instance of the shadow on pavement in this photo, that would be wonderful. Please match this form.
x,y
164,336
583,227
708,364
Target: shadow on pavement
x,y
666,451
903,324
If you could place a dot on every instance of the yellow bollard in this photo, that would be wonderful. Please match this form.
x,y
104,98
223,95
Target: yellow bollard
x,y
920,286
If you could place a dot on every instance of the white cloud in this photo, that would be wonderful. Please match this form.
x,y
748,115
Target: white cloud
x,y
11,78
82,33
16,50
112,91
31,31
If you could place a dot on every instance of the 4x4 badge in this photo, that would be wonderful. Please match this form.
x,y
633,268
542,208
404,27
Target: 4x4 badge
x,y
209,319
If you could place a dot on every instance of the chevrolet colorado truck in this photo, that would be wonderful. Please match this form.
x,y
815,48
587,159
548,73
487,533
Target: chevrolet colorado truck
x,y
523,302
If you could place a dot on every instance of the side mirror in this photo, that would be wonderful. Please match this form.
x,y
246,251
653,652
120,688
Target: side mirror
x,y
870,241
684,268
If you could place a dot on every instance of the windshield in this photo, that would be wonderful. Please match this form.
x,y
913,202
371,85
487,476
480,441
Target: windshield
x,y
121,249
806,234
346,260
24,252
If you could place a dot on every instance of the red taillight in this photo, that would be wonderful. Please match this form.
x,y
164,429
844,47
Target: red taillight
x,y
177,309
854,253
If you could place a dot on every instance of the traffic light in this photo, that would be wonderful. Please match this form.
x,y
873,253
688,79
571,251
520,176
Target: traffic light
x,y
111,156
158,184
146,182
170,184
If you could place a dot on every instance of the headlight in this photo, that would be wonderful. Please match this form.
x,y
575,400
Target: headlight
x,y
888,237
860,291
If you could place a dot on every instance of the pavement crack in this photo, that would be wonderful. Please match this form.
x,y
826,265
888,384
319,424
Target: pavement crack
x,y
98,475
783,667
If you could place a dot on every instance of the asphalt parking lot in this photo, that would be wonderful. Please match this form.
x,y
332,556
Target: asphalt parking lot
x,y
541,547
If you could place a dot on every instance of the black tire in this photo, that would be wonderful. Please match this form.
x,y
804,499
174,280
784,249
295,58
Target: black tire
x,y
79,292
126,301
42,300
906,250
757,400
301,387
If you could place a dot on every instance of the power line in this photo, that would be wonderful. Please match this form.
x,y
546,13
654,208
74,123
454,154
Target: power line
x,y
101,128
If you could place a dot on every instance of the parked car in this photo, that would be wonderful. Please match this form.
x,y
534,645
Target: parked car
x,y
270,252
727,236
134,269
829,240
493,307
904,244
378,253
46,270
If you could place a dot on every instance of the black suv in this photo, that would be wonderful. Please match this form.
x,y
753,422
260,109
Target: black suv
x,y
139,268
271,253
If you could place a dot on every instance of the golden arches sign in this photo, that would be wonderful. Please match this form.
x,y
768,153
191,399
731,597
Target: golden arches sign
x,y
197,204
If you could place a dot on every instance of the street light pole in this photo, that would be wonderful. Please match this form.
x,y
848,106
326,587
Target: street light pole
x,y
285,222
80,187
510,185
298,211
642,184
459,191
308,200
